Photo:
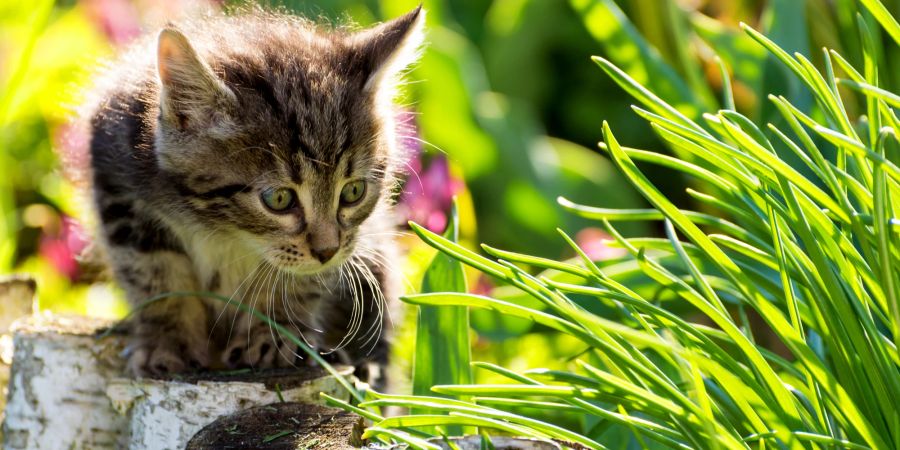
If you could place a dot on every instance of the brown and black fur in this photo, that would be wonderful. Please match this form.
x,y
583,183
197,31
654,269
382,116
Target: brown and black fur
x,y
187,131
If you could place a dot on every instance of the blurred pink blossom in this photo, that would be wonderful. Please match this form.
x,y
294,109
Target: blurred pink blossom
x,y
118,19
71,140
428,194
124,20
429,190
62,247
594,243
483,286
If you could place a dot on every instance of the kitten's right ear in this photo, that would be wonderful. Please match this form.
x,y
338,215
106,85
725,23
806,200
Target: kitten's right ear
x,y
389,48
190,92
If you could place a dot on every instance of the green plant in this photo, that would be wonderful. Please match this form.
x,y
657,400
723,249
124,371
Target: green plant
x,y
810,250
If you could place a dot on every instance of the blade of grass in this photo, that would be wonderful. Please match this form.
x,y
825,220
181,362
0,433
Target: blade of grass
x,y
442,350
884,17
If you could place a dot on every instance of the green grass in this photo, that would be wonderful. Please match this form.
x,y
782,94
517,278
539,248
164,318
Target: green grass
x,y
769,318
442,352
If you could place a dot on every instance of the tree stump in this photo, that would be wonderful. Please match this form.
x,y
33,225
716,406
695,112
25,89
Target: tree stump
x,y
68,390
165,413
16,302
282,426
57,387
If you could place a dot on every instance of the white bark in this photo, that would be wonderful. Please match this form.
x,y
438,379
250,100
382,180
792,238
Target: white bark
x,y
69,390
16,301
57,389
165,414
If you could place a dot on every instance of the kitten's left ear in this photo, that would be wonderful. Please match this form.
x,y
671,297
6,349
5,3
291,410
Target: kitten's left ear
x,y
389,48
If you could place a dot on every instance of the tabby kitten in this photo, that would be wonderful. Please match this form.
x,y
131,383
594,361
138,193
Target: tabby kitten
x,y
254,156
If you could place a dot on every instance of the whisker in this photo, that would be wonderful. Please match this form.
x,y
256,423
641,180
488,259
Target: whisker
x,y
355,321
252,273
376,327
255,300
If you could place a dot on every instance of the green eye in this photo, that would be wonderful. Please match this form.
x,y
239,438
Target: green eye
x,y
278,199
352,192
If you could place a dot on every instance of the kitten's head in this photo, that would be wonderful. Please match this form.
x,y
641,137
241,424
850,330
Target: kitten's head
x,y
281,136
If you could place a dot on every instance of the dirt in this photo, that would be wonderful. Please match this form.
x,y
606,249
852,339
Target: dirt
x,y
282,426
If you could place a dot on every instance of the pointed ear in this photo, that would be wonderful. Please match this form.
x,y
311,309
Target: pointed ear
x,y
190,92
389,48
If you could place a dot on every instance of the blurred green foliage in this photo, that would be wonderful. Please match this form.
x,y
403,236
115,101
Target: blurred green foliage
x,y
46,51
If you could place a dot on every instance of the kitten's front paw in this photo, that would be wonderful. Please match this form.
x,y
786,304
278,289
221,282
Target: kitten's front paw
x,y
260,348
158,354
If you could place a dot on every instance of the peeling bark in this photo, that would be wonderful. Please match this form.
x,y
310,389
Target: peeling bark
x,y
16,301
165,413
68,390
57,387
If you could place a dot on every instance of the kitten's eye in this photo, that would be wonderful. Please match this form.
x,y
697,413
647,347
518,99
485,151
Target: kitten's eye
x,y
352,192
278,199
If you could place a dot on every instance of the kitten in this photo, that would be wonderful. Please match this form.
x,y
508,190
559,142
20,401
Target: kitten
x,y
254,156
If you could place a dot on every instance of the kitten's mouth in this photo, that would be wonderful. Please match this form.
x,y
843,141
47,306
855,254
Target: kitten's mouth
x,y
309,267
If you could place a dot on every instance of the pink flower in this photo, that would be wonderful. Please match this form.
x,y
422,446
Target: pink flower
x,y
118,19
72,144
483,286
594,243
62,247
428,193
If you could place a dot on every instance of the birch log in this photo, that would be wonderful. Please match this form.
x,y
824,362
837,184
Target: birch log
x,y
16,302
57,387
165,413
68,390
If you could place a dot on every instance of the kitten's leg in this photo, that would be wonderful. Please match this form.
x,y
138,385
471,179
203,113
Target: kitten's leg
x,y
258,344
168,335
248,341
254,343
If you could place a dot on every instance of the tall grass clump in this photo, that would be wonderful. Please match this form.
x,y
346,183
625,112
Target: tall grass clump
x,y
802,256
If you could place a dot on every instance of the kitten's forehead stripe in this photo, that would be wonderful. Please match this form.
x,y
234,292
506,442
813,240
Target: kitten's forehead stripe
x,y
312,100
242,76
295,173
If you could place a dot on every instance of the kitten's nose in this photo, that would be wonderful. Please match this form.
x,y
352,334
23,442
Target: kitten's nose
x,y
323,254
324,240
